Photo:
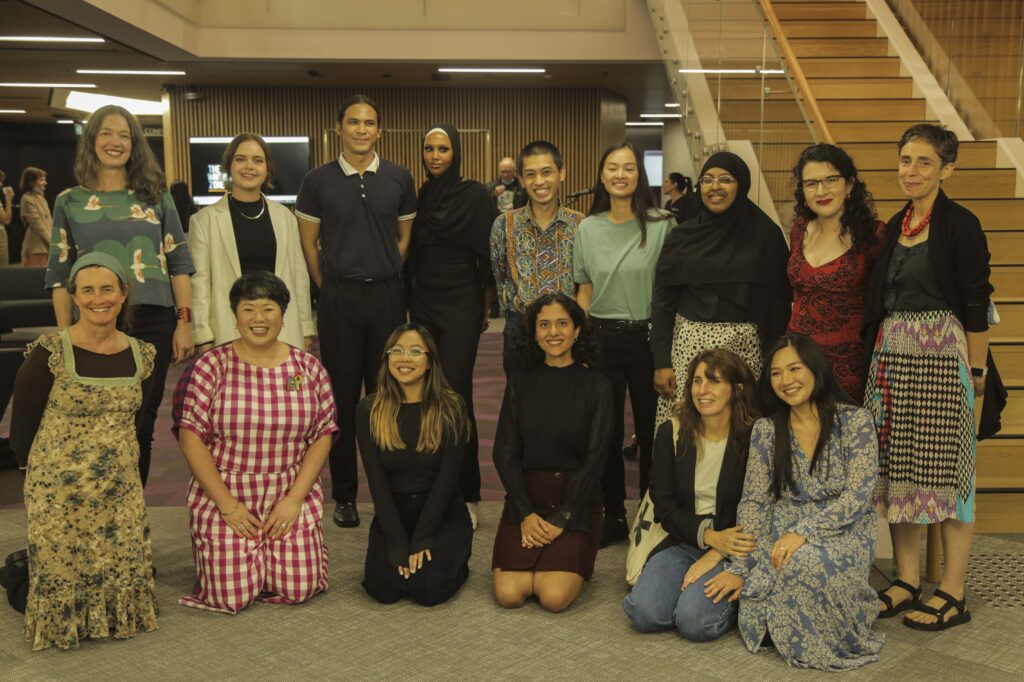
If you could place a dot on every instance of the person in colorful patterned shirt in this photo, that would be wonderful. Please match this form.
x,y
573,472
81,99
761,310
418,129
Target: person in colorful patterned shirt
x,y
255,423
121,208
529,260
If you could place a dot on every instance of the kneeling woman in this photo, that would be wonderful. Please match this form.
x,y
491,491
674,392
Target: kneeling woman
x,y
412,437
256,424
696,483
549,451
807,501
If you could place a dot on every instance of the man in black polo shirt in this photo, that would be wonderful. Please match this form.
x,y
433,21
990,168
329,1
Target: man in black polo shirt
x,y
355,216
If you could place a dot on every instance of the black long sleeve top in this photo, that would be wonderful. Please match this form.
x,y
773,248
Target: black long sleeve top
x,y
34,380
407,471
672,485
554,419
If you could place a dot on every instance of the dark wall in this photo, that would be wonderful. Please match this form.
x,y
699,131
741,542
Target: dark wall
x,y
49,146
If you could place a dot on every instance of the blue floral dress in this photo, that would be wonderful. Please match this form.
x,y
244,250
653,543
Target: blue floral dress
x,y
819,608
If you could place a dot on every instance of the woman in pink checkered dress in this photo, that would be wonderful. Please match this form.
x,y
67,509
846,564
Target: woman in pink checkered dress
x,y
256,423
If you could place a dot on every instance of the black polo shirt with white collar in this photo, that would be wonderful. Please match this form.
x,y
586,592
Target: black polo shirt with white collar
x,y
358,216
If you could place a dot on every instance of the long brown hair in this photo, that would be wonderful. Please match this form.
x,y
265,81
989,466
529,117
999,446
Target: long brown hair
x,y
444,414
144,174
725,366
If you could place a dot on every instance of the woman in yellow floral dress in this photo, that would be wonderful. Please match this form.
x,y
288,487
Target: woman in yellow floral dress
x,y
75,401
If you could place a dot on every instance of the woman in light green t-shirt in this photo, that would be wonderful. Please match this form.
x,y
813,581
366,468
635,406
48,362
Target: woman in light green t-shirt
x,y
614,258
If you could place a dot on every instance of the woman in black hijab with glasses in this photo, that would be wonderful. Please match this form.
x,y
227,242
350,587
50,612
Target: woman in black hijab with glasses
x,y
721,280
452,280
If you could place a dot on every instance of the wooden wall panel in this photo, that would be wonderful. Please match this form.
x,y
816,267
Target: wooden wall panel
x,y
502,121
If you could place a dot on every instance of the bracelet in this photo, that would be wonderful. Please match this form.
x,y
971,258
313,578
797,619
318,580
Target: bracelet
x,y
237,503
185,314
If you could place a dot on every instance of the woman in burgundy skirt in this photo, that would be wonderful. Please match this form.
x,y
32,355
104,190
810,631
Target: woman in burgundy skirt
x,y
549,450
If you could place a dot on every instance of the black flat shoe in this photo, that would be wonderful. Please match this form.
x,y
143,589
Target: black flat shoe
x,y
962,614
614,531
912,602
346,515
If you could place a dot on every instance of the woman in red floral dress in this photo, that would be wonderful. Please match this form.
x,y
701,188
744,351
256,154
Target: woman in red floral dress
x,y
833,247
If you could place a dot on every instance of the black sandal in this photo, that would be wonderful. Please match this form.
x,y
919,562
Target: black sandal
x,y
962,616
914,601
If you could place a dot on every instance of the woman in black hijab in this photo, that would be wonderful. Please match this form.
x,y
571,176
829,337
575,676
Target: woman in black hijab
x,y
452,279
721,280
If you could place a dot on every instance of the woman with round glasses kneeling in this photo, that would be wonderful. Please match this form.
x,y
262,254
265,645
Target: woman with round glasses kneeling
x,y
721,281
256,424
807,501
700,458
549,450
412,437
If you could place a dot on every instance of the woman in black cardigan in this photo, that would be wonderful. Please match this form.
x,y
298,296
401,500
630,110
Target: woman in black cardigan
x,y
700,459
927,315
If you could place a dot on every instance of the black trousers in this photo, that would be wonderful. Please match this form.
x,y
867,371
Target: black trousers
x,y
625,358
442,576
154,324
354,320
454,317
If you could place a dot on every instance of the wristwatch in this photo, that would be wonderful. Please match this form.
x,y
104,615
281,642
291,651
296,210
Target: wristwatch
x,y
979,372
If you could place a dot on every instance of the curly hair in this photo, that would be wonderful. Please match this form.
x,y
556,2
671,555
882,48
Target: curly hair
x,y
527,354
144,174
859,219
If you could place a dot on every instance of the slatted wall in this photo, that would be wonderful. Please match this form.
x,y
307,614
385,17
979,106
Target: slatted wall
x,y
503,120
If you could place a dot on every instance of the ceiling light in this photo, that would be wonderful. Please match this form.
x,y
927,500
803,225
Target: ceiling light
x,y
648,124
49,39
47,85
446,69
672,105
129,72
12,111
661,115
65,121
90,102
225,140
754,70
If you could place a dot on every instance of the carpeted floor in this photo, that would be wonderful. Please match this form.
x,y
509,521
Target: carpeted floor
x,y
343,634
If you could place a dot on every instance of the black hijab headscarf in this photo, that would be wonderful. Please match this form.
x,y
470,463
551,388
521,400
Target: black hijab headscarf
x,y
738,256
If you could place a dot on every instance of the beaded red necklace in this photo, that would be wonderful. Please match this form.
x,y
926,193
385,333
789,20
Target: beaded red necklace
x,y
911,232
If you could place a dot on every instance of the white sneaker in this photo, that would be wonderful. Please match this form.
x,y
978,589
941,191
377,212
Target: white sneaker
x,y
474,512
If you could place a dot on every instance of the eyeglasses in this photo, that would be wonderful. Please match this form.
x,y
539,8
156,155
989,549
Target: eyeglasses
x,y
828,182
414,353
723,180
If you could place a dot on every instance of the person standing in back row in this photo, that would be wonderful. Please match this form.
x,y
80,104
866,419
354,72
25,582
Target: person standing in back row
x,y
360,209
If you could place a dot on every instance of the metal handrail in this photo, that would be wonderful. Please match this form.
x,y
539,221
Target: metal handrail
x,y
797,72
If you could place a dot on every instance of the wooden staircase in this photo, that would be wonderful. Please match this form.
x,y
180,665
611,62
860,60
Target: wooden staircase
x,y
867,103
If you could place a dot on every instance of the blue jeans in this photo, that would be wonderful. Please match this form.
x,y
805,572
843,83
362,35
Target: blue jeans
x,y
656,603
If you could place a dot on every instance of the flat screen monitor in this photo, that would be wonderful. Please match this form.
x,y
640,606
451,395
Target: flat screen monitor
x,y
291,163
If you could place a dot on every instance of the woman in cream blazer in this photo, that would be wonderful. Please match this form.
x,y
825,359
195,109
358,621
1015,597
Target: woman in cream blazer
x,y
214,249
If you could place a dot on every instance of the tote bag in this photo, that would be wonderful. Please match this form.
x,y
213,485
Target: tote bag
x,y
646,533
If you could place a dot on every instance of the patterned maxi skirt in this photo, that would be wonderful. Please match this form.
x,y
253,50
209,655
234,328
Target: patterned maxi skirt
x,y
690,338
921,395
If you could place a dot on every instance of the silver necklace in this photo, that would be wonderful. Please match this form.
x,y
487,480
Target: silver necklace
x,y
250,217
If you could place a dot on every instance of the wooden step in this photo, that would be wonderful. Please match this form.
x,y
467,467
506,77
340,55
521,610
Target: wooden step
x,y
838,11
1009,359
1011,325
999,512
974,183
994,214
1013,414
1008,281
868,110
1000,463
851,67
840,47
863,28
862,88
848,132
884,155
1007,248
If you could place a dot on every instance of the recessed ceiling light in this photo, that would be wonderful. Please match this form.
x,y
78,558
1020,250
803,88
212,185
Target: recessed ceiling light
x,y
672,105
129,72
49,39
645,124
12,111
459,69
755,70
65,122
225,140
47,85
661,115
90,102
